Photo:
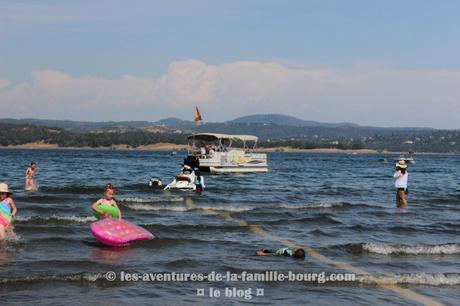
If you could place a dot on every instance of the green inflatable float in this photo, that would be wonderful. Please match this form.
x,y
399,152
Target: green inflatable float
x,y
109,210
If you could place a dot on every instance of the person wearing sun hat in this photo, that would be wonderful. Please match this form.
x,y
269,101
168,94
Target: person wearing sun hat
x,y
401,175
7,209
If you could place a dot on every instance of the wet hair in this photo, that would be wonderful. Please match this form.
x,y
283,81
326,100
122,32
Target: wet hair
x,y
108,186
299,253
33,163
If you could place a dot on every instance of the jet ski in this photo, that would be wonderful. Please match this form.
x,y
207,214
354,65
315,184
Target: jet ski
x,y
187,180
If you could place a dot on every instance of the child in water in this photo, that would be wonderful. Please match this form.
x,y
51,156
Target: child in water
x,y
109,191
7,210
401,175
30,172
295,252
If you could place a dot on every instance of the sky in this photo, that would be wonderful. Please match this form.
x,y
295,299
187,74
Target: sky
x,y
381,63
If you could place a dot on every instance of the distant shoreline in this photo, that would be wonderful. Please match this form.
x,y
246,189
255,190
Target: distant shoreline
x,y
152,147
164,147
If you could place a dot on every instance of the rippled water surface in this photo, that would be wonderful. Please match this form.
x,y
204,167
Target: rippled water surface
x,y
339,207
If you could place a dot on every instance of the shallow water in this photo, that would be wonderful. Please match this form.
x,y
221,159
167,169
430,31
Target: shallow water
x,y
341,205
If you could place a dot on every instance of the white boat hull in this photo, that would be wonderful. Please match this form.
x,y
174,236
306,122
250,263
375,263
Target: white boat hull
x,y
235,161
237,170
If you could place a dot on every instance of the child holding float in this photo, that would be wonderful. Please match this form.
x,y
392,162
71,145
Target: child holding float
x,y
7,210
106,206
110,231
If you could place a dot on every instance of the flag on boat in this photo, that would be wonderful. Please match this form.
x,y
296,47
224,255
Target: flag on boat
x,y
197,115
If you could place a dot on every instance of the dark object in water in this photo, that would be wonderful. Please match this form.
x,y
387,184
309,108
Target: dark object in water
x,y
192,161
155,182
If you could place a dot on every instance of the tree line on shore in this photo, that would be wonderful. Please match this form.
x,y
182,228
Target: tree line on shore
x,y
442,141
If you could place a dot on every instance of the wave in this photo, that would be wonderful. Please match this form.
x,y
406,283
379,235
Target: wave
x,y
80,277
10,238
320,232
227,208
414,279
178,228
318,219
55,219
384,249
152,201
41,199
143,207
309,206
76,189
429,279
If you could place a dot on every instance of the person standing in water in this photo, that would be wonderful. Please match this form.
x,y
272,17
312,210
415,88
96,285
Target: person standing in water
x,y
30,172
401,175
108,200
7,210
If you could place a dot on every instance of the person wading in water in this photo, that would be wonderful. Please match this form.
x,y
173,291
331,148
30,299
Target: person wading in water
x,y
400,178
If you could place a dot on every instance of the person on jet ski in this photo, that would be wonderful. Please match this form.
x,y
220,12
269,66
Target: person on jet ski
x,y
192,162
199,181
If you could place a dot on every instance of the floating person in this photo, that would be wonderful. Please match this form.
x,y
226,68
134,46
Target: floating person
x,y
7,210
106,206
29,182
401,176
292,252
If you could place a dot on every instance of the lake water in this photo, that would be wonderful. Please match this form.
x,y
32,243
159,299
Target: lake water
x,y
339,207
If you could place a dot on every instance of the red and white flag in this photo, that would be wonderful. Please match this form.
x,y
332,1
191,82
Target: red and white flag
x,y
197,115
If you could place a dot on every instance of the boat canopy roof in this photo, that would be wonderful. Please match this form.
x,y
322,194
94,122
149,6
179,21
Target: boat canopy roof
x,y
214,136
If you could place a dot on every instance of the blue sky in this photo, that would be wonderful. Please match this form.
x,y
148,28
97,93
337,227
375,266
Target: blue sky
x,y
322,60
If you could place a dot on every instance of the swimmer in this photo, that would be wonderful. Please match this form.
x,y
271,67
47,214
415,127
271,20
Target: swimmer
x,y
109,191
295,252
7,210
401,175
30,172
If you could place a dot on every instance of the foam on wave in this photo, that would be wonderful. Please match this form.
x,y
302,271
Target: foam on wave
x,y
56,218
440,249
429,279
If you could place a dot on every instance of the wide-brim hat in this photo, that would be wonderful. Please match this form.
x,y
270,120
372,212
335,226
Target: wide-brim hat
x,y
4,188
401,164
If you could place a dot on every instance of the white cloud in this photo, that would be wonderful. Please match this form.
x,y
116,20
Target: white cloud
x,y
363,94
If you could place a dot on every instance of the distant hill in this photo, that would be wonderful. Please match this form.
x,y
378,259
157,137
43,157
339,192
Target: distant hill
x,y
279,119
177,123
273,131
17,134
265,126
90,126
77,126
